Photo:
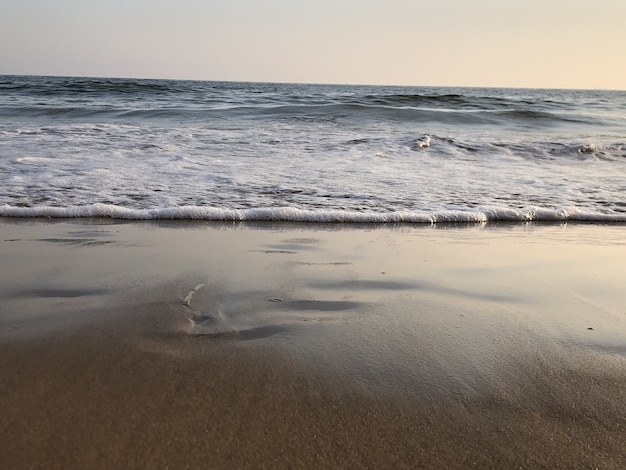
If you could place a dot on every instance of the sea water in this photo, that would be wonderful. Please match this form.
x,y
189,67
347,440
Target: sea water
x,y
161,149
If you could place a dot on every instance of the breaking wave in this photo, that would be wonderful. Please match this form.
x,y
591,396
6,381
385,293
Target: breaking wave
x,y
288,214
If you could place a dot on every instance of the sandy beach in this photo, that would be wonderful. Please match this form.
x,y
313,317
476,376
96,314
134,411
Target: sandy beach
x,y
274,345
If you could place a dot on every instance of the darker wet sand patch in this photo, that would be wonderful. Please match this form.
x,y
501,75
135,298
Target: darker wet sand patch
x,y
261,332
64,293
79,242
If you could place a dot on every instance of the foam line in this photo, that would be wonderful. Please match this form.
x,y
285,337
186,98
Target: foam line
x,y
289,214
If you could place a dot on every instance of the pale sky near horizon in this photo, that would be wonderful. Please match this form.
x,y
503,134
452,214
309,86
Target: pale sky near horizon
x,y
521,43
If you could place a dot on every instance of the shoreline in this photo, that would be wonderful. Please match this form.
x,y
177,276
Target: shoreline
x,y
210,345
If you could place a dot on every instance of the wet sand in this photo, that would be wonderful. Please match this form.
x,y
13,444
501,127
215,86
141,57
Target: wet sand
x,y
195,345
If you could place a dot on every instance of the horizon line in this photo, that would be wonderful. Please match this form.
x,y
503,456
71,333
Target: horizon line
x,y
278,82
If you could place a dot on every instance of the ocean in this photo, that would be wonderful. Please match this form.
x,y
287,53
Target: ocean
x,y
229,151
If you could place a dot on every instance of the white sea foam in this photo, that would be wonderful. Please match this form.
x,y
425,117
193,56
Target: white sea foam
x,y
287,214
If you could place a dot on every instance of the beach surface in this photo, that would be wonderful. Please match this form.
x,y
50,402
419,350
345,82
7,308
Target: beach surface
x,y
275,345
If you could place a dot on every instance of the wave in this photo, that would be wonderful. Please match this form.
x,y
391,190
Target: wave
x,y
531,150
437,100
288,214
75,86
111,98
298,112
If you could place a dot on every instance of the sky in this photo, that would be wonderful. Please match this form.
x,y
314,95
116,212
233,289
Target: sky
x,y
488,43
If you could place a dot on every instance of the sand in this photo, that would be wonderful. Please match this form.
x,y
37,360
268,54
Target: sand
x,y
205,345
